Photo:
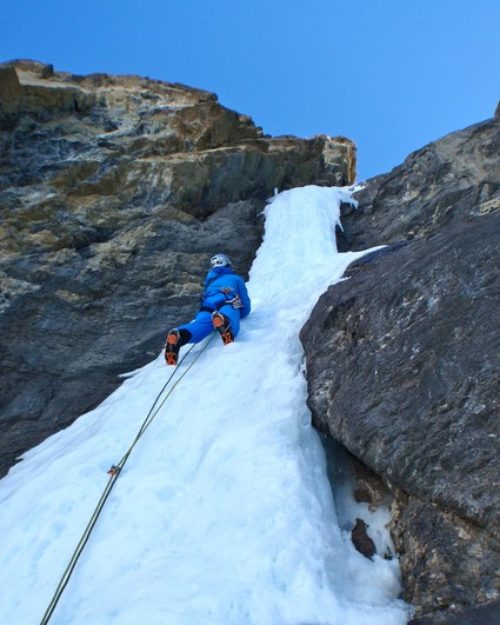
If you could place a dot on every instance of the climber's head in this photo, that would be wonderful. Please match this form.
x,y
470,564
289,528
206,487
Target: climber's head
x,y
220,260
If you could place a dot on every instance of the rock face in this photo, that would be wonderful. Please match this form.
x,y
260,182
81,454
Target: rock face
x,y
453,179
402,363
114,192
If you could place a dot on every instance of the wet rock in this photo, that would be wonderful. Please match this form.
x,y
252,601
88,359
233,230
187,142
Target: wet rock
x,y
360,539
369,488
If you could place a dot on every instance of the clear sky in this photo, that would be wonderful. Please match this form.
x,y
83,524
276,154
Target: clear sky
x,y
390,74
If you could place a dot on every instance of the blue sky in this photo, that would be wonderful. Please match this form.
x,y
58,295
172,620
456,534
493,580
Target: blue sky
x,y
390,74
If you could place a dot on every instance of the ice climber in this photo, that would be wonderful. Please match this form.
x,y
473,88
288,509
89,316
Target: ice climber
x,y
224,302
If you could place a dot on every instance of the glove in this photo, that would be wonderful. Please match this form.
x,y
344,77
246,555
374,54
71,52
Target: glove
x,y
235,302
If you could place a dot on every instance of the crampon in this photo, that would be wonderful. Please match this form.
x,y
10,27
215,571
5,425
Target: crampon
x,y
172,347
223,327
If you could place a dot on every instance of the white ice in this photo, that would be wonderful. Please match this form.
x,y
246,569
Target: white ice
x,y
223,514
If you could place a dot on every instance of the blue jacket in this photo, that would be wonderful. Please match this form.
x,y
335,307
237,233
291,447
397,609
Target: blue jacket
x,y
222,285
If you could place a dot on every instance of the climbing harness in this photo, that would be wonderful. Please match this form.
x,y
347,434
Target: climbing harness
x,y
114,472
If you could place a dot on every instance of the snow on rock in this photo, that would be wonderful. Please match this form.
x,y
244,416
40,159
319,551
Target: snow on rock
x,y
223,514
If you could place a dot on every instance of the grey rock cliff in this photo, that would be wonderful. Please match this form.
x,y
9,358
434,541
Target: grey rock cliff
x,y
114,192
453,179
402,363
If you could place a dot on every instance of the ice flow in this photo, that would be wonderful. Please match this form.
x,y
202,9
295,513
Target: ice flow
x,y
223,514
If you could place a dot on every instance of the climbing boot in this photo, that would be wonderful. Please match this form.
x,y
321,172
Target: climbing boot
x,y
175,340
223,327
172,347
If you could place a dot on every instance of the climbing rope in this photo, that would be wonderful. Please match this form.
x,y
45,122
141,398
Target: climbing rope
x,y
114,473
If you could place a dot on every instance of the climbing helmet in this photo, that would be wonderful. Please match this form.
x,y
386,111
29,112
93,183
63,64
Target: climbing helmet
x,y
220,260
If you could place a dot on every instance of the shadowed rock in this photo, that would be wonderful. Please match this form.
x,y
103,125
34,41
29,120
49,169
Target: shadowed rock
x,y
402,363
360,539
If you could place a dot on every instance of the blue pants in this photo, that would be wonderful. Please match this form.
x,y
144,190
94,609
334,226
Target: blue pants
x,y
201,326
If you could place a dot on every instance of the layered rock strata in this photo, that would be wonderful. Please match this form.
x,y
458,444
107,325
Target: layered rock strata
x,y
114,192
402,364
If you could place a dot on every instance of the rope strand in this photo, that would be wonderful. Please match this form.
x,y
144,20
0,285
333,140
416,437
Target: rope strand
x,y
114,474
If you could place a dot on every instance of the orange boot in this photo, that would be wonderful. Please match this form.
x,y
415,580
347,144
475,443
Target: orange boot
x,y
223,327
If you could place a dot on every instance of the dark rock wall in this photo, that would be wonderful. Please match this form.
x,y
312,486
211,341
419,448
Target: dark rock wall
x,y
402,363
114,192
